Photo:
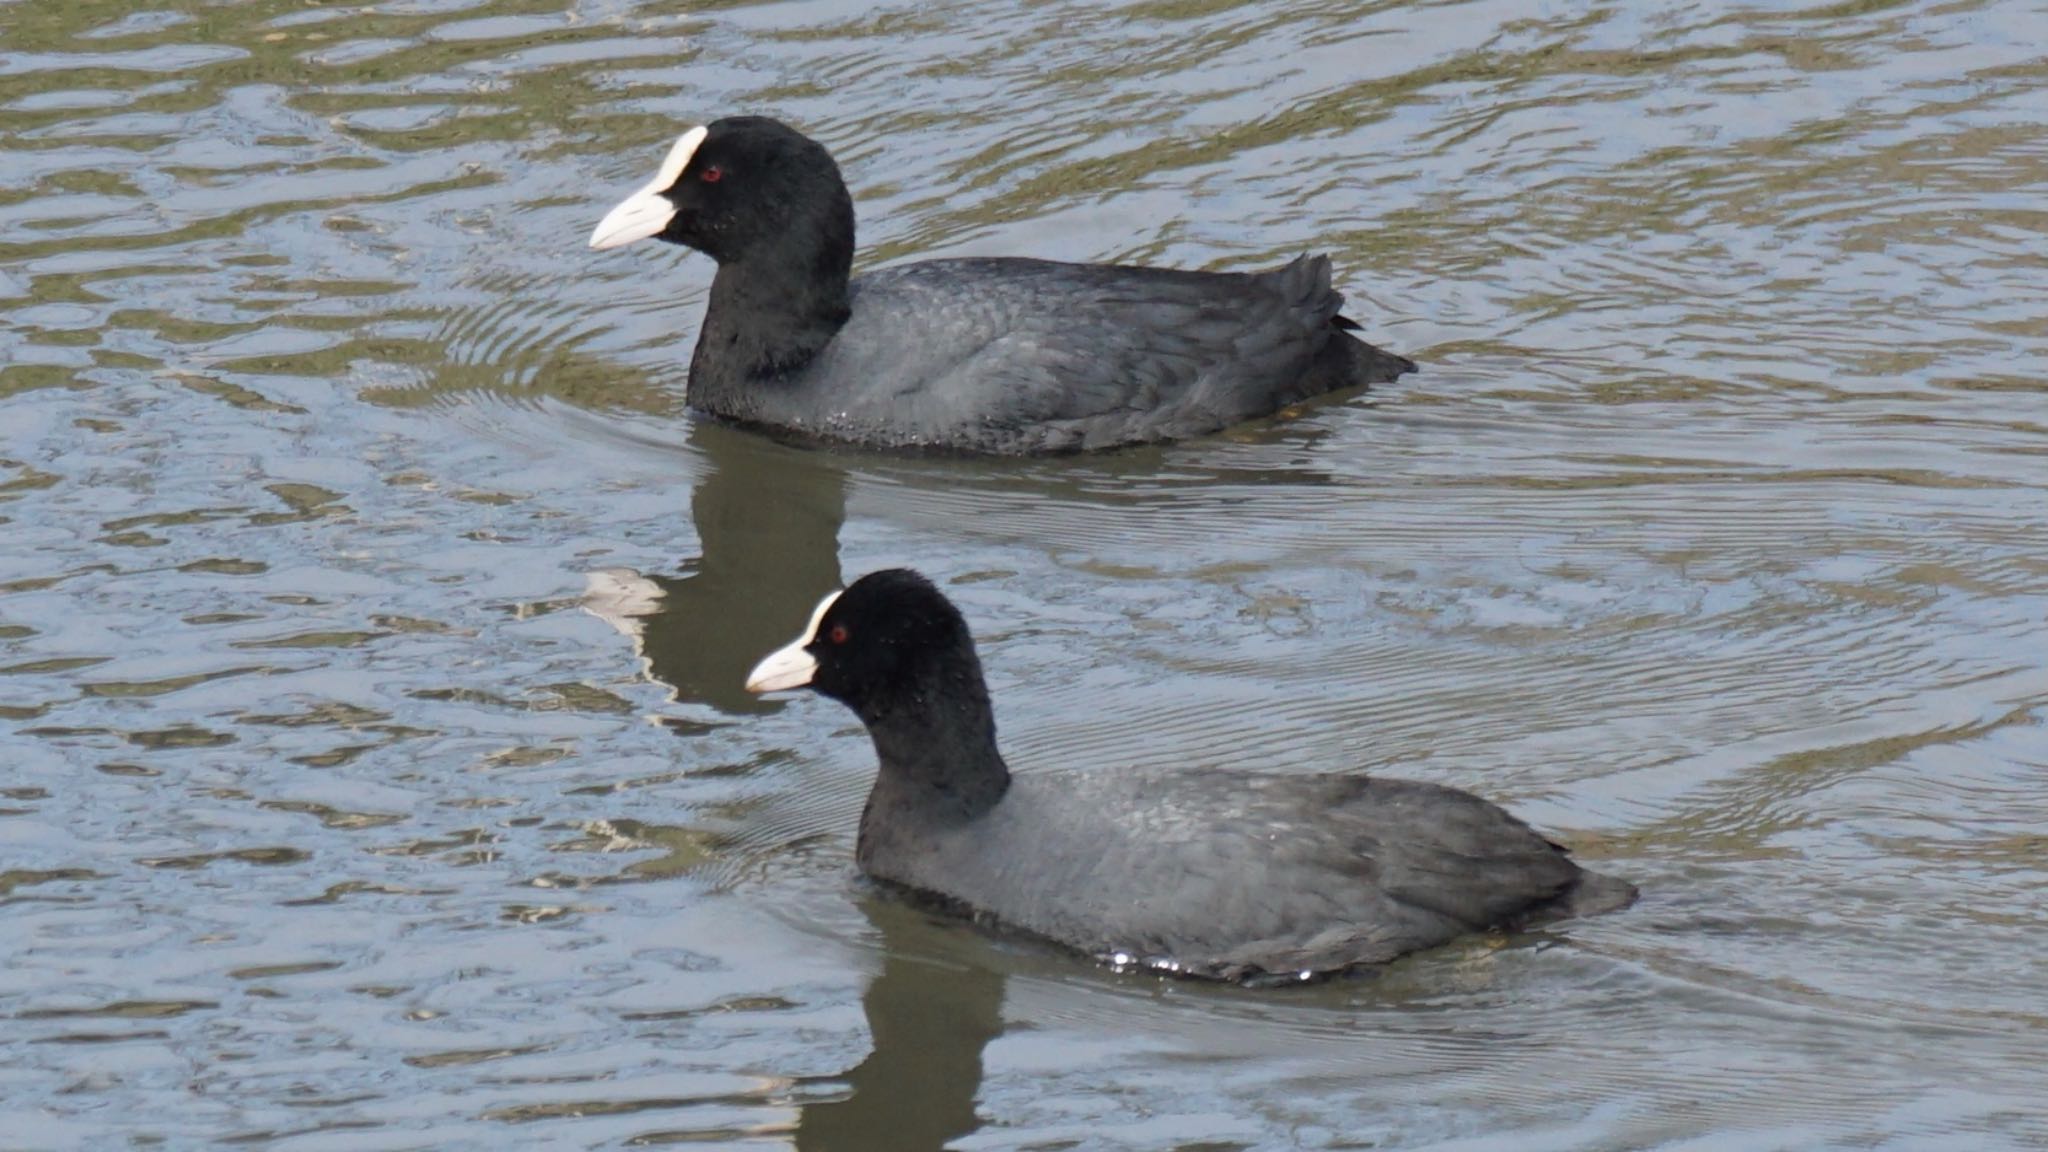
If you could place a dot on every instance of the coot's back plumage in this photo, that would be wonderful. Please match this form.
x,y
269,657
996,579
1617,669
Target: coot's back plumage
x,y
1204,872
1004,355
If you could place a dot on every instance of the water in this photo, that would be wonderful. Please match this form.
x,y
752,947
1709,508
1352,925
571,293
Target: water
x,y
347,805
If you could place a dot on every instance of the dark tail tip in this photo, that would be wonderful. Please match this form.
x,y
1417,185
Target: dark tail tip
x,y
1596,893
1370,364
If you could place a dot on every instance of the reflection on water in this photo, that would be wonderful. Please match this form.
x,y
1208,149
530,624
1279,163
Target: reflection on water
x,y
928,1020
767,521
1709,537
767,550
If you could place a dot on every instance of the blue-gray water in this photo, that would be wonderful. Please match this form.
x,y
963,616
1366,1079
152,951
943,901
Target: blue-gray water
x,y
346,804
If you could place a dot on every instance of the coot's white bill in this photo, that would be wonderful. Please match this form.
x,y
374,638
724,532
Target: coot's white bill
x,y
790,666
646,212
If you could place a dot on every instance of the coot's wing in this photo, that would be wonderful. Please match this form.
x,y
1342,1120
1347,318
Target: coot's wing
x,y
1369,869
1029,355
1455,854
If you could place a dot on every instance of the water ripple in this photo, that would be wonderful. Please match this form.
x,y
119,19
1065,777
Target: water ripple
x,y
1708,539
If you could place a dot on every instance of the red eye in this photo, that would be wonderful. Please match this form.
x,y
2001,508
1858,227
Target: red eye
x,y
712,175
837,635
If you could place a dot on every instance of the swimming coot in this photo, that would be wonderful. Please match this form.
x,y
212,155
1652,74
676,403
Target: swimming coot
x,y
977,355
1236,876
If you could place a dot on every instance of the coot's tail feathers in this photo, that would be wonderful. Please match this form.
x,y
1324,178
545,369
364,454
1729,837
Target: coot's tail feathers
x,y
1346,361
1594,894
1304,282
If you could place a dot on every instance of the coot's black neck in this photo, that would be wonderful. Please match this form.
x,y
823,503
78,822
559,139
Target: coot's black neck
x,y
937,746
773,308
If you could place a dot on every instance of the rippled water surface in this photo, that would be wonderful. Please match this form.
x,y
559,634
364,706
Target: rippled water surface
x,y
372,616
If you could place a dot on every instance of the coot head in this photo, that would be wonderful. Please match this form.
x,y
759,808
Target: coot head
x,y
890,642
737,187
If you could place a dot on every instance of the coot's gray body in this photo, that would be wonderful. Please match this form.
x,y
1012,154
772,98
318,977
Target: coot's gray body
x,y
1234,876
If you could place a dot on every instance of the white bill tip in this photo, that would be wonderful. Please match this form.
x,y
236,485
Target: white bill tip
x,y
790,666
646,212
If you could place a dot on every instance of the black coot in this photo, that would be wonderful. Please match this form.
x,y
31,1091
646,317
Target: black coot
x,y
976,355
1230,875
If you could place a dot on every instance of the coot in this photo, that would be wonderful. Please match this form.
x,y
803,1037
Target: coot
x,y
977,355
1236,876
